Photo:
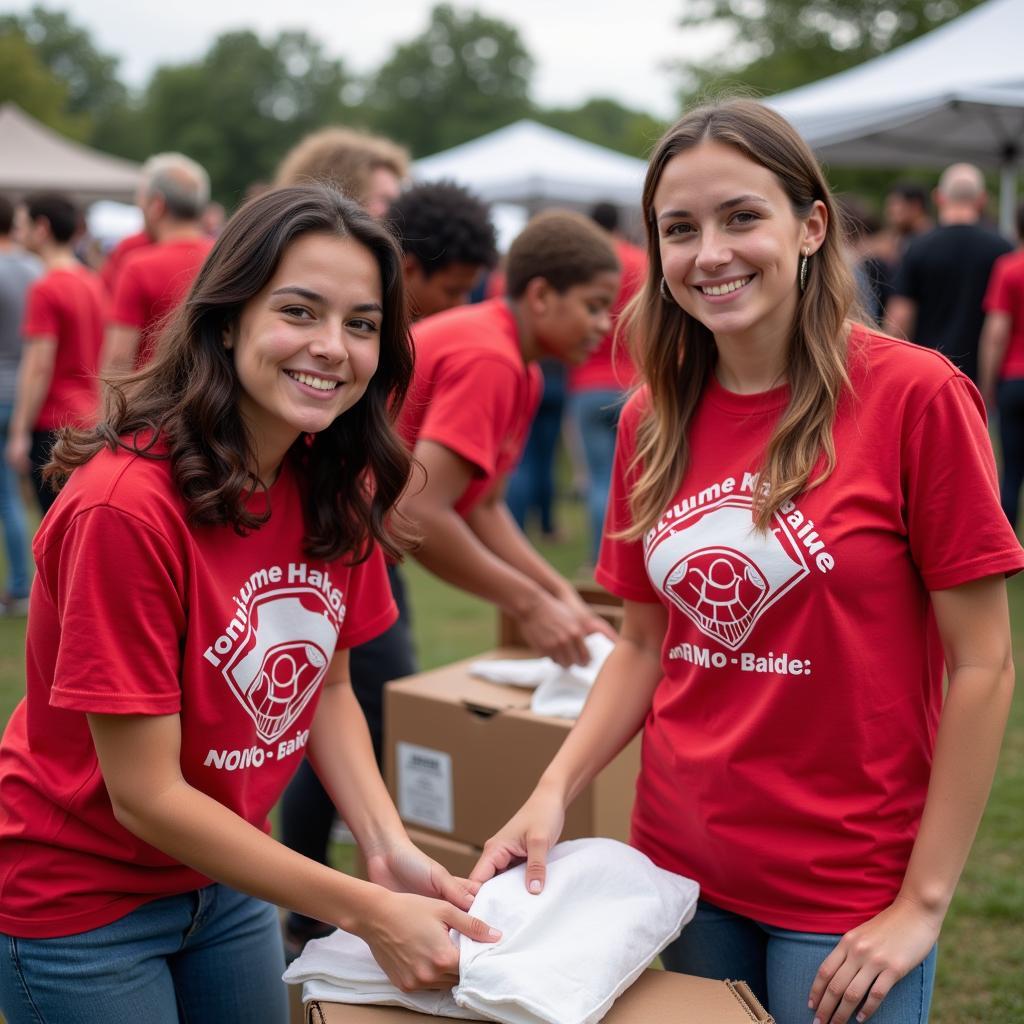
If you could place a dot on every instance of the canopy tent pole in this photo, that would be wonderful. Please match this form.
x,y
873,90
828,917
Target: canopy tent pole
x,y
1008,197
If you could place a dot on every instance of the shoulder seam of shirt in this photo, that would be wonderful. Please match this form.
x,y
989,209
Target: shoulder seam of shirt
x,y
957,376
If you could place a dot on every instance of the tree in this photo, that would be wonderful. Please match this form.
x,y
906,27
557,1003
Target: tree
x,y
465,75
780,44
244,104
29,83
608,123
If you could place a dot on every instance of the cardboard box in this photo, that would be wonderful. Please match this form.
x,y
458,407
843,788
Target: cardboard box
x,y
657,997
463,754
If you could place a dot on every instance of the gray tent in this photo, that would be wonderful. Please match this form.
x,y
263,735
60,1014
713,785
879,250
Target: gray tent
x,y
954,94
34,157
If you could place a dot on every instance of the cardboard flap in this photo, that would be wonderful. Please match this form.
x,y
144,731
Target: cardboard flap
x,y
741,990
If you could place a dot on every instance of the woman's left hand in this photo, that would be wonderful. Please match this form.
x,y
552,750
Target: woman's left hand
x,y
403,867
870,959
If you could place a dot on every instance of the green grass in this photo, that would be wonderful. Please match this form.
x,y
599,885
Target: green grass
x,y
979,973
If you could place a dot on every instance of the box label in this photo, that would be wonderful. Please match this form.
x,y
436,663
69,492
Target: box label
x,y
425,787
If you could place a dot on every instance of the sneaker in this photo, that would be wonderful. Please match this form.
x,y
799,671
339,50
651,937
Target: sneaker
x,y
14,607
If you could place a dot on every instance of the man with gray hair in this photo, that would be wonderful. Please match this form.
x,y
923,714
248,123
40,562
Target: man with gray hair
x,y
941,282
154,279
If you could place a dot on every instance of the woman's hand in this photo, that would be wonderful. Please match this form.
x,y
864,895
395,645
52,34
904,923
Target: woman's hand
x,y
408,936
403,867
530,834
869,960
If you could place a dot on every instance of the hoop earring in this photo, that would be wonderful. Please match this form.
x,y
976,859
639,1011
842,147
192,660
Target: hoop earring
x,y
665,293
803,270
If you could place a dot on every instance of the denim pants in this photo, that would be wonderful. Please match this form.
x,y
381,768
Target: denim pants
x,y
12,512
212,956
597,416
780,965
1010,398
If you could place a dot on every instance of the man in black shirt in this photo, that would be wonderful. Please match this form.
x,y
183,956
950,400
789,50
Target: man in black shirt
x,y
941,281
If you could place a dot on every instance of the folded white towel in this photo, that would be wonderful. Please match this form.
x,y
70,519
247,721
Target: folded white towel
x,y
564,956
558,691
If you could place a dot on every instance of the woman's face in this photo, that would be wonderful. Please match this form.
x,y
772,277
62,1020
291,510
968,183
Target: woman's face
x,y
307,345
730,242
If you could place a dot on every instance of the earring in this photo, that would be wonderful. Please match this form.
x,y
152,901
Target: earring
x,y
803,270
665,293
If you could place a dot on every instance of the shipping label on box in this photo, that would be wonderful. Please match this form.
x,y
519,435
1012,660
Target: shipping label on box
x,y
425,795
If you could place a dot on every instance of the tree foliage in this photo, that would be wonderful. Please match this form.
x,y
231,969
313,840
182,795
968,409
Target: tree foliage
x,y
244,104
780,44
607,123
465,75
25,79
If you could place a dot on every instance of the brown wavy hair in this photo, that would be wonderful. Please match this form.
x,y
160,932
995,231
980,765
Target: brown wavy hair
x,y
676,353
184,405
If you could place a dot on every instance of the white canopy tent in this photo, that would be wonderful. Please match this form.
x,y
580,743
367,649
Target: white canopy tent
x,y
954,94
533,165
34,157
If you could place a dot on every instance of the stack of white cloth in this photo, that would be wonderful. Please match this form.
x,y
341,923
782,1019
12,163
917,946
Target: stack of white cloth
x,y
558,691
564,956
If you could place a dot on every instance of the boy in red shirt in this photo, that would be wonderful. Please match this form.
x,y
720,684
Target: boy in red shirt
x,y
63,332
155,278
474,392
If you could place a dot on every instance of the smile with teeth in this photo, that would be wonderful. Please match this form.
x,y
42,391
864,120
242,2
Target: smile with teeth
x,y
320,383
725,289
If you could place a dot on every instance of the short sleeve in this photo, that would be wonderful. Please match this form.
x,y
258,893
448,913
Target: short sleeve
x,y
473,409
117,587
370,608
42,318
127,305
955,524
999,293
905,281
620,566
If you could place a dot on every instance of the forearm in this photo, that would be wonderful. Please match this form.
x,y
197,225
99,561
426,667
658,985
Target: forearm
x,y
995,338
614,712
966,753
452,551
34,378
120,346
341,753
497,529
196,830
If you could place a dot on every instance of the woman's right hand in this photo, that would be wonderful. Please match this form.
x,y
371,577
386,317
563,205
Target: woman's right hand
x,y
408,936
529,835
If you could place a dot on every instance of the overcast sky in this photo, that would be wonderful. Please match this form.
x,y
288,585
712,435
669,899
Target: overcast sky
x,y
582,49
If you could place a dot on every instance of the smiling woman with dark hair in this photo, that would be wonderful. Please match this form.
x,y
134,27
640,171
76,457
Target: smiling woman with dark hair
x,y
212,555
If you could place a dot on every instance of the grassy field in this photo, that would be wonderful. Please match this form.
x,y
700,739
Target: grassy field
x,y
980,978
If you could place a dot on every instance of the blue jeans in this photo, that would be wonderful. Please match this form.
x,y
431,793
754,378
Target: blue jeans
x,y
779,965
212,956
1010,398
12,512
597,415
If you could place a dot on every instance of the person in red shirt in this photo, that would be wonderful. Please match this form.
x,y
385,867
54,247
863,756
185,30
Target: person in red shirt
x,y
598,387
469,409
155,278
804,527
63,333
211,557
1001,366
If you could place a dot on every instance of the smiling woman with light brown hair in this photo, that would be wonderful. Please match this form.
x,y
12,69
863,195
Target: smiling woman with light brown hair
x,y
806,533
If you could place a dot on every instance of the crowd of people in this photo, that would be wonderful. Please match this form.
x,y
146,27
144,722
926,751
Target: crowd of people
x,y
235,436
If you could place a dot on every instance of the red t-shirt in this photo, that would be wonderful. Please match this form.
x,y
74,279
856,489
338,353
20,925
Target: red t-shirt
x,y
135,612
1005,294
787,753
111,269
151,284
609,367
67,305
472,392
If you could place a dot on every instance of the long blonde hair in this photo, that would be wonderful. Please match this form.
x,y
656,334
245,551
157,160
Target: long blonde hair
x,y
676,353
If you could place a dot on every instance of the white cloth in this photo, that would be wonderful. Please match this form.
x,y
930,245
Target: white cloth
x,y
564,956
560,692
